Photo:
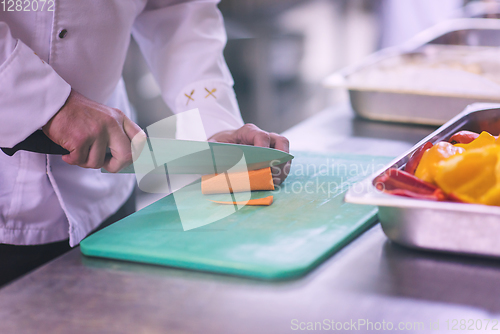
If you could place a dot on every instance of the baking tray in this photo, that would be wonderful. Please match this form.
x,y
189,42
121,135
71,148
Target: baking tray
x,y
440,226
399,105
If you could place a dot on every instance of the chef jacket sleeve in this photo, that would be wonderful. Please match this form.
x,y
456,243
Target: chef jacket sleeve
x,y
183,44
31,92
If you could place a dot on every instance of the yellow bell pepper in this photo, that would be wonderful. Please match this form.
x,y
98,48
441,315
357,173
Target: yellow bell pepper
x,y
492,197
426,169
473,176
483,140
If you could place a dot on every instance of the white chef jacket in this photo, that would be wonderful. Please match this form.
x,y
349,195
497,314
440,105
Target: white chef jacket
x,y
43,199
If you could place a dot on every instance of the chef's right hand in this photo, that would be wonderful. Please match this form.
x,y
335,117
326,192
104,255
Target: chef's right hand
x,y
86,129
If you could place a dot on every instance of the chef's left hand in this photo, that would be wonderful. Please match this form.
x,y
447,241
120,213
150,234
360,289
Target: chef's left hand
x,y
250,134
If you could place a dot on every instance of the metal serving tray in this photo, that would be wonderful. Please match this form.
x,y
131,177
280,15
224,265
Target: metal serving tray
x,y
422,108
439,226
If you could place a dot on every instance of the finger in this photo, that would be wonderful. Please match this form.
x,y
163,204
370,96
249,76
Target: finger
x,y
262,139
119,144
97,153
112,164
285,169
281,170
78,155
252,135
279,142
225,137
117,161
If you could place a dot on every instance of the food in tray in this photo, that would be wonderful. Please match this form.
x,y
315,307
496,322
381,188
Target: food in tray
x,y
401,183
465,169
444,70
431,157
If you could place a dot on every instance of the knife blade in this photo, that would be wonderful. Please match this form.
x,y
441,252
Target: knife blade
x,y
198,157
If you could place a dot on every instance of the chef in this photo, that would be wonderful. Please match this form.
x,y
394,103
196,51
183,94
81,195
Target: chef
x,y
60,71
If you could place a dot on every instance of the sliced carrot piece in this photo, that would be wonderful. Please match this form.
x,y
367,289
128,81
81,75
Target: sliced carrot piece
x,y
257,201
260,179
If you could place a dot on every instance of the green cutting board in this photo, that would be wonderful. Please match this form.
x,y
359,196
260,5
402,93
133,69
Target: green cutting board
x,y
306,223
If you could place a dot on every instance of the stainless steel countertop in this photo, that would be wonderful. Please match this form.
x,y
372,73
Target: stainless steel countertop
x,y
370,278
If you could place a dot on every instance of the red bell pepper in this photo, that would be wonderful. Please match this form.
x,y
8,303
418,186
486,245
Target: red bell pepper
x,y
411,165
398,182
463,137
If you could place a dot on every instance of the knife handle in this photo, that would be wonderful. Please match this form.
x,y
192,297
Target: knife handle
x,y
37,142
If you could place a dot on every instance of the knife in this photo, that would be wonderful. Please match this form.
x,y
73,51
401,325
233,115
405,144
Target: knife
x,y
178,156
37,142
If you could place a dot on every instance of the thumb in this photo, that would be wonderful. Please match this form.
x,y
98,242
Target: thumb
x,y
136,135
131,129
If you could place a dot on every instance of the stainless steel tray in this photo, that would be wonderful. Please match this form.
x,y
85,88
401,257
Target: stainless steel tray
x,y
440,226
411,107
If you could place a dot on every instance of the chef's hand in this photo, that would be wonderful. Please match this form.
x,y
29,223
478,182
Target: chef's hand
x,y
86,128
249,134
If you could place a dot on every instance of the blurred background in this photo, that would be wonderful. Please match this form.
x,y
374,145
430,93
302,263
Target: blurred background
x,y
279,51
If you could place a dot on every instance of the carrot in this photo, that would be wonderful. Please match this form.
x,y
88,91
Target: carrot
x,y
260,179
258,201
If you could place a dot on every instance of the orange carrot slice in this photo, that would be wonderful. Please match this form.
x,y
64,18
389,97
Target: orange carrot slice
x,y
260,179
257,201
